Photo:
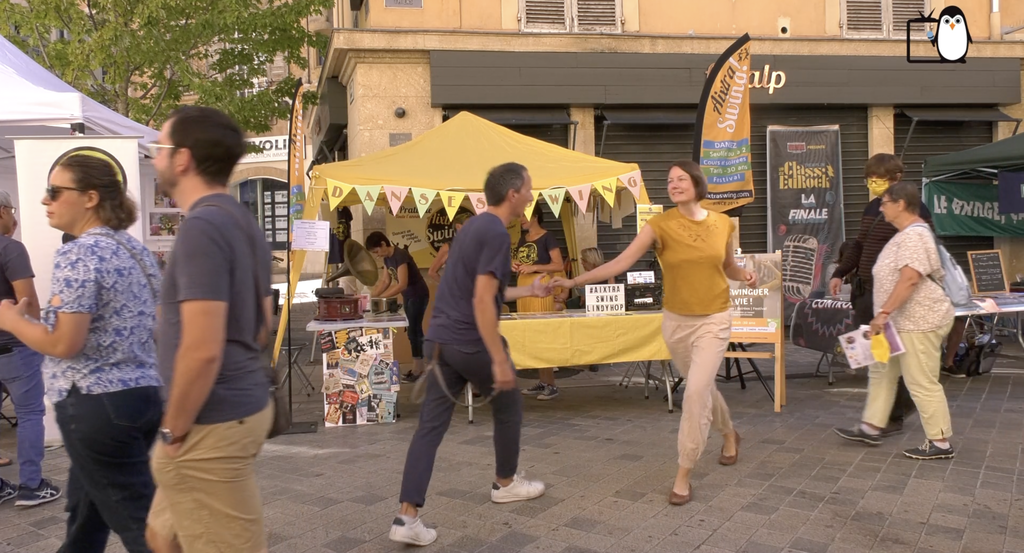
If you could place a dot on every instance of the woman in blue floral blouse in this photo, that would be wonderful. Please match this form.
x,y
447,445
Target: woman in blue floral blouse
x,y
97,334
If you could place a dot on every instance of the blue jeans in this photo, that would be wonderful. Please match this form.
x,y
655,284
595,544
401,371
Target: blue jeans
x,y
21,372
415,309
108,438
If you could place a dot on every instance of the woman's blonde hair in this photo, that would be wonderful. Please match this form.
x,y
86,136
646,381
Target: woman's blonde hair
x,y
592,257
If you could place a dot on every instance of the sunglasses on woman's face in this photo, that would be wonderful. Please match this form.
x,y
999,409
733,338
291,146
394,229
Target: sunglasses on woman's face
x,y
54,192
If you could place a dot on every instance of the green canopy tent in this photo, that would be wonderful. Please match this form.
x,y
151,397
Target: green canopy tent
x,y
960,189
977,164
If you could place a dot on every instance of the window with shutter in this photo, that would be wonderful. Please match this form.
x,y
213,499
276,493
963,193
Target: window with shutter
x,y
905,10
279,69
863,18
544,15
598,15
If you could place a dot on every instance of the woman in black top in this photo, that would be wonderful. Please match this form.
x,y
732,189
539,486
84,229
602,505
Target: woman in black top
x,y
538,256
402,277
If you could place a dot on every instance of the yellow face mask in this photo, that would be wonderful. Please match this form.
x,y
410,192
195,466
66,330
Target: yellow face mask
x,y
880,348
877,187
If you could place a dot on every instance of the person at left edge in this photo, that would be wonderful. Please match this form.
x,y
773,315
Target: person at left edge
x,y
21,371
98,338
402,276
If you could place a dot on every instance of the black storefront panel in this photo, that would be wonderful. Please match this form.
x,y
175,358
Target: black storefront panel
x,y
934,138
655,147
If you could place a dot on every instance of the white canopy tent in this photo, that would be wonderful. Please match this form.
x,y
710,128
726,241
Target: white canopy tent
x,y
35,102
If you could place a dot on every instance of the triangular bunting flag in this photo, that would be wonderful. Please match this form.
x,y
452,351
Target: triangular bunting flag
x,y
368,195
632,183
607,189
532,205
555,197
451,201
423,198
336,192
581,195
478,201
395,195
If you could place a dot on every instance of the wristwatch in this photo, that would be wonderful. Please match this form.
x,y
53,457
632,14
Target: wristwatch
x,y
168,437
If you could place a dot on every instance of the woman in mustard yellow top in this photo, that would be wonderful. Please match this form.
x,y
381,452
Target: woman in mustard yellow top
x,y
696,259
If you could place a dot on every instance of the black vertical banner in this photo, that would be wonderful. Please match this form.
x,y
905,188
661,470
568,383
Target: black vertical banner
x,y
805,207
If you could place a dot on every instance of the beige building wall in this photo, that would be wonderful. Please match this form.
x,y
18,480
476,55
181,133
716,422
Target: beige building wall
x,y
760,18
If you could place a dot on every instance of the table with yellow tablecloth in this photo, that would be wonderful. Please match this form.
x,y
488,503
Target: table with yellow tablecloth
x,y
568,339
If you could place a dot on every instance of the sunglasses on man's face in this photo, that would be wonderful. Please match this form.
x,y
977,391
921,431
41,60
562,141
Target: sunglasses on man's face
x,y
13,209
54,192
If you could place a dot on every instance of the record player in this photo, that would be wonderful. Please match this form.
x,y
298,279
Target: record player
x,y
334,304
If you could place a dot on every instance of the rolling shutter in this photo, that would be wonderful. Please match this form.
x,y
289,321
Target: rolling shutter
x,y
905,10
654,148
933,138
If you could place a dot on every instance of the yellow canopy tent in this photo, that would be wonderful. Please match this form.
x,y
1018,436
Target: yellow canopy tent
x,y
451,161
457,155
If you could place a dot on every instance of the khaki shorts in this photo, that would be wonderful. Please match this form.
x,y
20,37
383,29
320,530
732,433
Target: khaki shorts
x,y
207,496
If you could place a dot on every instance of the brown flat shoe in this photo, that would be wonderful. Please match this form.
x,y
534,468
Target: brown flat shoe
x,y
729,460
680,499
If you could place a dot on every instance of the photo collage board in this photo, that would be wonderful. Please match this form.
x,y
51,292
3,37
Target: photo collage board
x,y
161,219
361,376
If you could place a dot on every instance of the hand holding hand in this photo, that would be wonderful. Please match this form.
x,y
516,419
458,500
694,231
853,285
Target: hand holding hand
x,y
541,289
562,282
834,286
526,269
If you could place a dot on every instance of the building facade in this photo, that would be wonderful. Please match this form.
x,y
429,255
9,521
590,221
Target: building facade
x,y
621,79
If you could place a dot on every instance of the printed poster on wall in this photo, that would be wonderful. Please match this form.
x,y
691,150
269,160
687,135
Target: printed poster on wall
x,y
722,144
757,312
645,213
423,236
805,207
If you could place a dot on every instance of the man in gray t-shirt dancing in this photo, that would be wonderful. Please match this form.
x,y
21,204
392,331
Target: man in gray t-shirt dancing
x,y
464,338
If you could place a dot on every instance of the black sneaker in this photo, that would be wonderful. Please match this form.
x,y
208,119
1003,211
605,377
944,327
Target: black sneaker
x,y
857,434
894,427
410,377
930,451
44,493
953,372
7,490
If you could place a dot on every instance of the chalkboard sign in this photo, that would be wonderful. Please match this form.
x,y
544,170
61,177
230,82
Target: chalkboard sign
x,y
987,272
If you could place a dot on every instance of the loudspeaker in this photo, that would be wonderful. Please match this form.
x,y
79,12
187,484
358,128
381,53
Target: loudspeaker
x,y
358,263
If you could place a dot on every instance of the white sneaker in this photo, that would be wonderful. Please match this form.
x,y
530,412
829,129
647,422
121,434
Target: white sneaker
x,y
519,490
414,533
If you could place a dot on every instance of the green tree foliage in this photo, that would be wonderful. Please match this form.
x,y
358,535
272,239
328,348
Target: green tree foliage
x,y
142,58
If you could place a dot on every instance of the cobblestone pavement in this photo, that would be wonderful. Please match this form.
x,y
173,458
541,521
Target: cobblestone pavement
x,y
609,457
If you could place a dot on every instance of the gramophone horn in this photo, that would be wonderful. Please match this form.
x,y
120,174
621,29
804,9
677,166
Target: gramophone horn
x,y
358,263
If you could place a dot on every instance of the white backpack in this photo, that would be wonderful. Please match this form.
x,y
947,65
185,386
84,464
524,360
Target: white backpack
x,y
955,282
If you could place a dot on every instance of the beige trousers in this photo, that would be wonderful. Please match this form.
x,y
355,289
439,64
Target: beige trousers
x,y
697,345
207,496
919,366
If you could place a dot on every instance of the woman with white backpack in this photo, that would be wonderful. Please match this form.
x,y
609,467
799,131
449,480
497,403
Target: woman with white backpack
x,y
909,293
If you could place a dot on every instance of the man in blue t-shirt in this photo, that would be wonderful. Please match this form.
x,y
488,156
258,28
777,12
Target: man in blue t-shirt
x,y
465,341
